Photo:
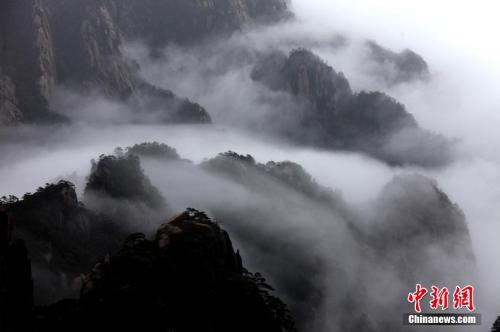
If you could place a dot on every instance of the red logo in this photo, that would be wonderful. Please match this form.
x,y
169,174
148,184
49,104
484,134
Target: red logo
x,y
462,297
439,298
417,296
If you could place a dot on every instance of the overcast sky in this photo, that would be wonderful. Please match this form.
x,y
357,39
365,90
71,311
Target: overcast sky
x,y
464,30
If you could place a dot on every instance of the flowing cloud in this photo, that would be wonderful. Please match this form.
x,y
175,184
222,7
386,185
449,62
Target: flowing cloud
x,y
459,100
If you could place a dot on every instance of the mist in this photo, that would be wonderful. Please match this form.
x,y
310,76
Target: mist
x,y
459,101
457,40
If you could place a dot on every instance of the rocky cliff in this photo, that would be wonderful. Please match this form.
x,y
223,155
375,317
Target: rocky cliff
x,y
9,104
185,22
87,47
77,44
333,116
26,58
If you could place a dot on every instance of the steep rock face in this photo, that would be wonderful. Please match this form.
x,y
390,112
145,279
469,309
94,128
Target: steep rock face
x,y
335,117
63,237
87,41
269,11
27,55
307,76
177,21
87,46
188,278
75,44
9,104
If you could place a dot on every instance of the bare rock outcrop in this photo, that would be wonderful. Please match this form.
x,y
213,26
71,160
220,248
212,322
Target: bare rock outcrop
x,y
9,104
27,56
45,43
